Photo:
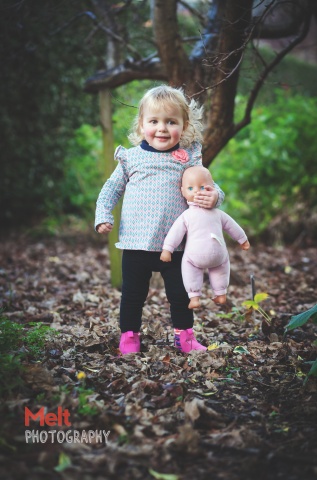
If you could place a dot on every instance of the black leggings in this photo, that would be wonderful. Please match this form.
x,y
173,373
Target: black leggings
x,y
137,268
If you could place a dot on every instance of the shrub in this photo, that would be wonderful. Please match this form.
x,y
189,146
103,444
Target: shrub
x,y
16,344
270,167
81,171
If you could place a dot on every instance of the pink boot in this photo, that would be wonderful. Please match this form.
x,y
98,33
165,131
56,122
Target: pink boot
x,y
186,341
129,343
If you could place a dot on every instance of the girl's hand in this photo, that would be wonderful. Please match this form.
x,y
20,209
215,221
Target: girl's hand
x,y
166,256
245,245
207,198
104,228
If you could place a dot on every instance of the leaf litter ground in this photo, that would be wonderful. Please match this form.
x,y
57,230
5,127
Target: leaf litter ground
x,y
238,411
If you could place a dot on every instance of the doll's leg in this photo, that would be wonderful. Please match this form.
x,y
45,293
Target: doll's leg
x,y
219,281
193,281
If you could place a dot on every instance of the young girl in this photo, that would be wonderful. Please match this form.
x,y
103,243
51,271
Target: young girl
x,y
167,132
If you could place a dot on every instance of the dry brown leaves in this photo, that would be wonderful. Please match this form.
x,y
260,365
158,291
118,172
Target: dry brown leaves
x,y
232,412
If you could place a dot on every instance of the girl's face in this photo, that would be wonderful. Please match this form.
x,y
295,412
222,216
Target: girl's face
x,y
162,129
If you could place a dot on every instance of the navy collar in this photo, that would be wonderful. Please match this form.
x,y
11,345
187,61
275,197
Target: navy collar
x,y
146,146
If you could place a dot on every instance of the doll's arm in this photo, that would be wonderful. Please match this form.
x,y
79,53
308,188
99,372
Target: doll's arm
x,y
233,229
245,245
173,238
166,256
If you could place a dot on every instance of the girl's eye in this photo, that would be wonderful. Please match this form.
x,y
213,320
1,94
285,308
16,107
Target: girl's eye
x,y
202,188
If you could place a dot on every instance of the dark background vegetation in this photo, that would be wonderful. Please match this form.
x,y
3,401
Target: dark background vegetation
x,y
51,141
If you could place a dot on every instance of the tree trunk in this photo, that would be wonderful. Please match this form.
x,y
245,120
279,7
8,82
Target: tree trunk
x,y
107,169
168,41
233,19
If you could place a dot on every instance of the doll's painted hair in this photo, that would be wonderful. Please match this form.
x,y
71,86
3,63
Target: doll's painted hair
x,y
162,96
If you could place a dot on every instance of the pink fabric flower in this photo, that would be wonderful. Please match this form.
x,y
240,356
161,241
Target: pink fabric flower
x,y
180,155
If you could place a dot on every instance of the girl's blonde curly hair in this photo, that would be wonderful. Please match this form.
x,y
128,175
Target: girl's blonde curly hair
x,y
164,96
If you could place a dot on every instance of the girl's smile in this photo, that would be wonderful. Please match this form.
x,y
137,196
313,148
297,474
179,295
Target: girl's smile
x,y
162,129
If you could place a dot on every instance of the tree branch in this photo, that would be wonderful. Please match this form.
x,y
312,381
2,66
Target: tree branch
x,y
279,19
194,11
99,25
259,83
148,68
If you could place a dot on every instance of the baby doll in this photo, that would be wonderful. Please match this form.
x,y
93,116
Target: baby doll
x,y
205,246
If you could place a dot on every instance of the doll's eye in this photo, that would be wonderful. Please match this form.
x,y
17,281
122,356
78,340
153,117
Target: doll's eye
x,y
202,188
190,188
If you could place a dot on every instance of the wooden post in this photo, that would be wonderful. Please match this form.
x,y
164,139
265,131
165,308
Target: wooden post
x,y
107,167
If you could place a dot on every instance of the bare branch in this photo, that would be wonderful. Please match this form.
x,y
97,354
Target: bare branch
x,y
282,18
222,58
99,25
255,91
88,14
148,68
194,11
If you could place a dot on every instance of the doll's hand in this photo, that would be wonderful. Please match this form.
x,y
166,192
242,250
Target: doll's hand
x,y
207,198
104,228
245,245
166,256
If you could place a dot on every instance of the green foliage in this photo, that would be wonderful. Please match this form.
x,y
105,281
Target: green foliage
x,y
36,338
270,166
85,407
16,344
163,476
82,171
10,377
302,318
32,338
254,304
298,321
42,102
10,333
64,462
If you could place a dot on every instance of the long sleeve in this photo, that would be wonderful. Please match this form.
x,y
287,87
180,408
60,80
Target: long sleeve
x,y
109,196
221,195
233,229
175,234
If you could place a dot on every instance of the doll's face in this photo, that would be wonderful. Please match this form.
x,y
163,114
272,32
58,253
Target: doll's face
x,y
194,181
162,129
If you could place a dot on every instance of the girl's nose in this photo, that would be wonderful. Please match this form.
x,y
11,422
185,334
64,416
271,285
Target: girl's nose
x,y
162,127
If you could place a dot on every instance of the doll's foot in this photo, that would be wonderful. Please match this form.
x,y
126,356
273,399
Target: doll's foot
x,y
220,299
194,303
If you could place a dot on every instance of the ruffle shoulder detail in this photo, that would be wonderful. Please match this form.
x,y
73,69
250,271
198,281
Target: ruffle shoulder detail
x,y
194,152
121,155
